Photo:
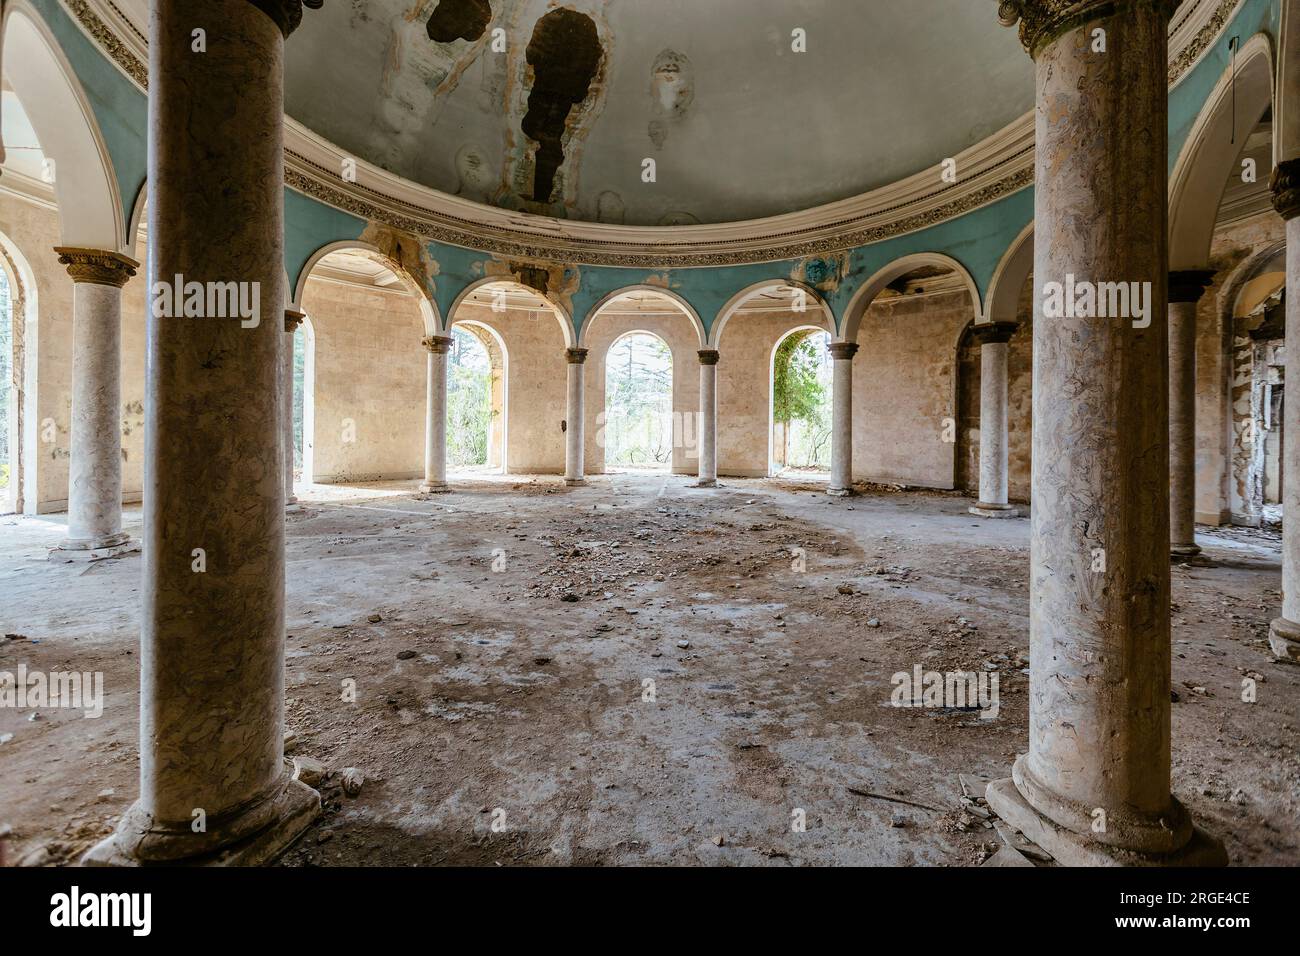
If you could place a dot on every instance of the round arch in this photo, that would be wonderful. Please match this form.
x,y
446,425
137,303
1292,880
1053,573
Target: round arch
x,y
428,308
771,385
686,308
561,315
1211,152
672,370
90,208
1002,303
865,295
491,340
733,305
21,423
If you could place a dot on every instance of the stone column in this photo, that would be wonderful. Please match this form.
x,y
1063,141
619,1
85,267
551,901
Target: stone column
x,y
573,422
708,430
993,338
214,787
1185,290
1284,633
292,319
435,418
842,419
95,466
1094,786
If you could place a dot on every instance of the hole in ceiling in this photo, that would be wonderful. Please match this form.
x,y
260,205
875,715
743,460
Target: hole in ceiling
x,y
459,20
564,53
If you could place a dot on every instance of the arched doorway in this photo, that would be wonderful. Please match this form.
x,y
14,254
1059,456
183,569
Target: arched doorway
x,y
637,429
801,381
476,400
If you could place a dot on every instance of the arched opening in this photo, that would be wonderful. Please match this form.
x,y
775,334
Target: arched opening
x,y
360,372
801,379
476,400
638,420
8,399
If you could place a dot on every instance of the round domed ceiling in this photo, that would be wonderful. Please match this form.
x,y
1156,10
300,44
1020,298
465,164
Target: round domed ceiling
x,y
655,112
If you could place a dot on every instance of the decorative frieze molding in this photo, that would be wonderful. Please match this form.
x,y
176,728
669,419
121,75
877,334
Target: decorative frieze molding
x,y
997,167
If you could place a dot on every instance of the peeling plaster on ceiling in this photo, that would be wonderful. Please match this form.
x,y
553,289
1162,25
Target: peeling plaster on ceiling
x,y
739,125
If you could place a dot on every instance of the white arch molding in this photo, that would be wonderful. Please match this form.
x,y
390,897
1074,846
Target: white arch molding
x,y
732,306
685,307
1002,304
90,210
561,314
865,295
1212,151
428,308
505,385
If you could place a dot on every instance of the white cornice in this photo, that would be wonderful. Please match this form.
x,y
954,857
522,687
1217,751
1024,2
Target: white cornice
x,y
990,170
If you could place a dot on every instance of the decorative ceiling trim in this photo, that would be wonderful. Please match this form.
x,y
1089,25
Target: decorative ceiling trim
x,y
998,166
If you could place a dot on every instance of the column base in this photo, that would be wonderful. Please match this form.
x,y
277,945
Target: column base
x,y
110,546
573,482
1284,639
428,488
705,483
983,509
1184,550
274,824
1075,849
839,492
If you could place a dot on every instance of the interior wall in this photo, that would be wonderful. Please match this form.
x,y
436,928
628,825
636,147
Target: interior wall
x,y
677,331
33,228
905,389
370,388
536,390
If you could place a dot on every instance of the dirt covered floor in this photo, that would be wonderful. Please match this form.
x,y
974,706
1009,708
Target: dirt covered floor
x,y
643,672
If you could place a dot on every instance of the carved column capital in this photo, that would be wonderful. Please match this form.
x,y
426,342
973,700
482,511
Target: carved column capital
x,y
292,319
708,356
575,356
287,14
437,343
97,266
993,333
1187,285
1042,21
1285,186
842,350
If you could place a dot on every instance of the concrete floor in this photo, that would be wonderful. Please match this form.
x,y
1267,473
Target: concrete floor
x,y
514,696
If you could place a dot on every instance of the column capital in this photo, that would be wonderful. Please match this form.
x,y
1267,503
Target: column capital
x,y
842,350
437,343
1042,21
1187,285
993,333
1285,186
287,14
708,356
97,266
292,319
575,356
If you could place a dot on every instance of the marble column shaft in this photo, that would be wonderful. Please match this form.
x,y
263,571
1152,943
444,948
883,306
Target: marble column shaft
x,y
213,782
1095,783
1185,289
574,418
292,320
993,338
95,465
708,430
435,418
841,482
1284,633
